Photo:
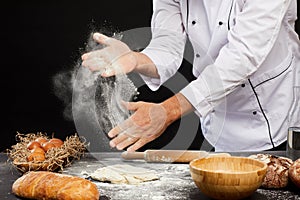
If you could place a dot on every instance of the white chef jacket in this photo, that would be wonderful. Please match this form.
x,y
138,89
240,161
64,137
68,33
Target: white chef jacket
x,y
246,63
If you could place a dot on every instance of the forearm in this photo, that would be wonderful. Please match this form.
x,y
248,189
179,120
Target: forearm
x,y
145,65
176,106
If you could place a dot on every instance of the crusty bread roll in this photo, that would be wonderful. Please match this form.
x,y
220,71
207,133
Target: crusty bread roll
x,y
294,172
277,172
48,185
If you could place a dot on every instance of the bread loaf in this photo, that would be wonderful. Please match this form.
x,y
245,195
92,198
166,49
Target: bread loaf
x,y
54,186
277,171
294,173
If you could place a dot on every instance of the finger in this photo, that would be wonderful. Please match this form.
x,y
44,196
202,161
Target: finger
x,y
121,141
102,39
114,132
91,54
108,72
85,56
126,142
141,142
95,64
114,142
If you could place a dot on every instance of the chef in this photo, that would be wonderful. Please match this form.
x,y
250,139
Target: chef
x,y
246,60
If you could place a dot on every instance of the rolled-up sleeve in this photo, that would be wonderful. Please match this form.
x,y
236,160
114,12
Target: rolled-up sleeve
x,y
168,41
250,41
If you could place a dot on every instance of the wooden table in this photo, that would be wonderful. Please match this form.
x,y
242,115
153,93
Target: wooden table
x,y
175,181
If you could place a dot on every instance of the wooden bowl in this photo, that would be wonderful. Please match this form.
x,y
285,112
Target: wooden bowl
x,y
228,177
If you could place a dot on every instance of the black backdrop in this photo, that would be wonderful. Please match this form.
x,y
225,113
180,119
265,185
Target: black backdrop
x,y
42,38
39,39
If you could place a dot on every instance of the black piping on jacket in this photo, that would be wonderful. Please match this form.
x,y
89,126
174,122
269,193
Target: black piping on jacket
x,y
262,111
259,103
228,22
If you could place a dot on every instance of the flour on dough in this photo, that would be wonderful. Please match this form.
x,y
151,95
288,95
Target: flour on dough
x,y
125,174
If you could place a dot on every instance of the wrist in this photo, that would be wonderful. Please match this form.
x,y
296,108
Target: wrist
x,y
137,57
176,106
172,109
144,65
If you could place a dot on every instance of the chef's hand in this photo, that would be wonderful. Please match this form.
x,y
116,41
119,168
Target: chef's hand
x,y
148,122
114,58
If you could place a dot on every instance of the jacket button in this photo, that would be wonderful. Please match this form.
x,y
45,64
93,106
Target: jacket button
x,y
194,22
254,112
220,23
243,85
198,55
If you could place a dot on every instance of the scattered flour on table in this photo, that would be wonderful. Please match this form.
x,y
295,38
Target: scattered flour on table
x,y
172,183
282,195
125,174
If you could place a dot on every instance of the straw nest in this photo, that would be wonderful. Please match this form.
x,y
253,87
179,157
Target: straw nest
x,y
55,158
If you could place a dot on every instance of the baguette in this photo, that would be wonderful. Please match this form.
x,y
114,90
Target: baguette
x,y
294,172
49,185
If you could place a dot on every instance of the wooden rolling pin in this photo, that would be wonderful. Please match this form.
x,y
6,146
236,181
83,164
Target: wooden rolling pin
x,y
169,156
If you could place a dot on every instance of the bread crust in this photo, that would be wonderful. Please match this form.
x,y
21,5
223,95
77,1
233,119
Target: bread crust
x,y
54,186
294,172
277,171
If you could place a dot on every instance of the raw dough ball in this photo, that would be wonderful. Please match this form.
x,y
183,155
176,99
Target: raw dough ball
x,y
294,172
277,171
125,174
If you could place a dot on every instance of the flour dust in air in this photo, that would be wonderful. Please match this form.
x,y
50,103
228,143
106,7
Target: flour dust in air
x,y
95,106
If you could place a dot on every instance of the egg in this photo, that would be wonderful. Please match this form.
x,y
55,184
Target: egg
x,y
57,142
33,144
38,150
36,157
41,140
48,145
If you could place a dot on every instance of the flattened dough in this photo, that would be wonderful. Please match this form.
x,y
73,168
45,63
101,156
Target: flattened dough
x,y
124,174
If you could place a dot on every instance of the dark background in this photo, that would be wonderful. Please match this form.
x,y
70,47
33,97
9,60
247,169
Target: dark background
x,y
41,38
